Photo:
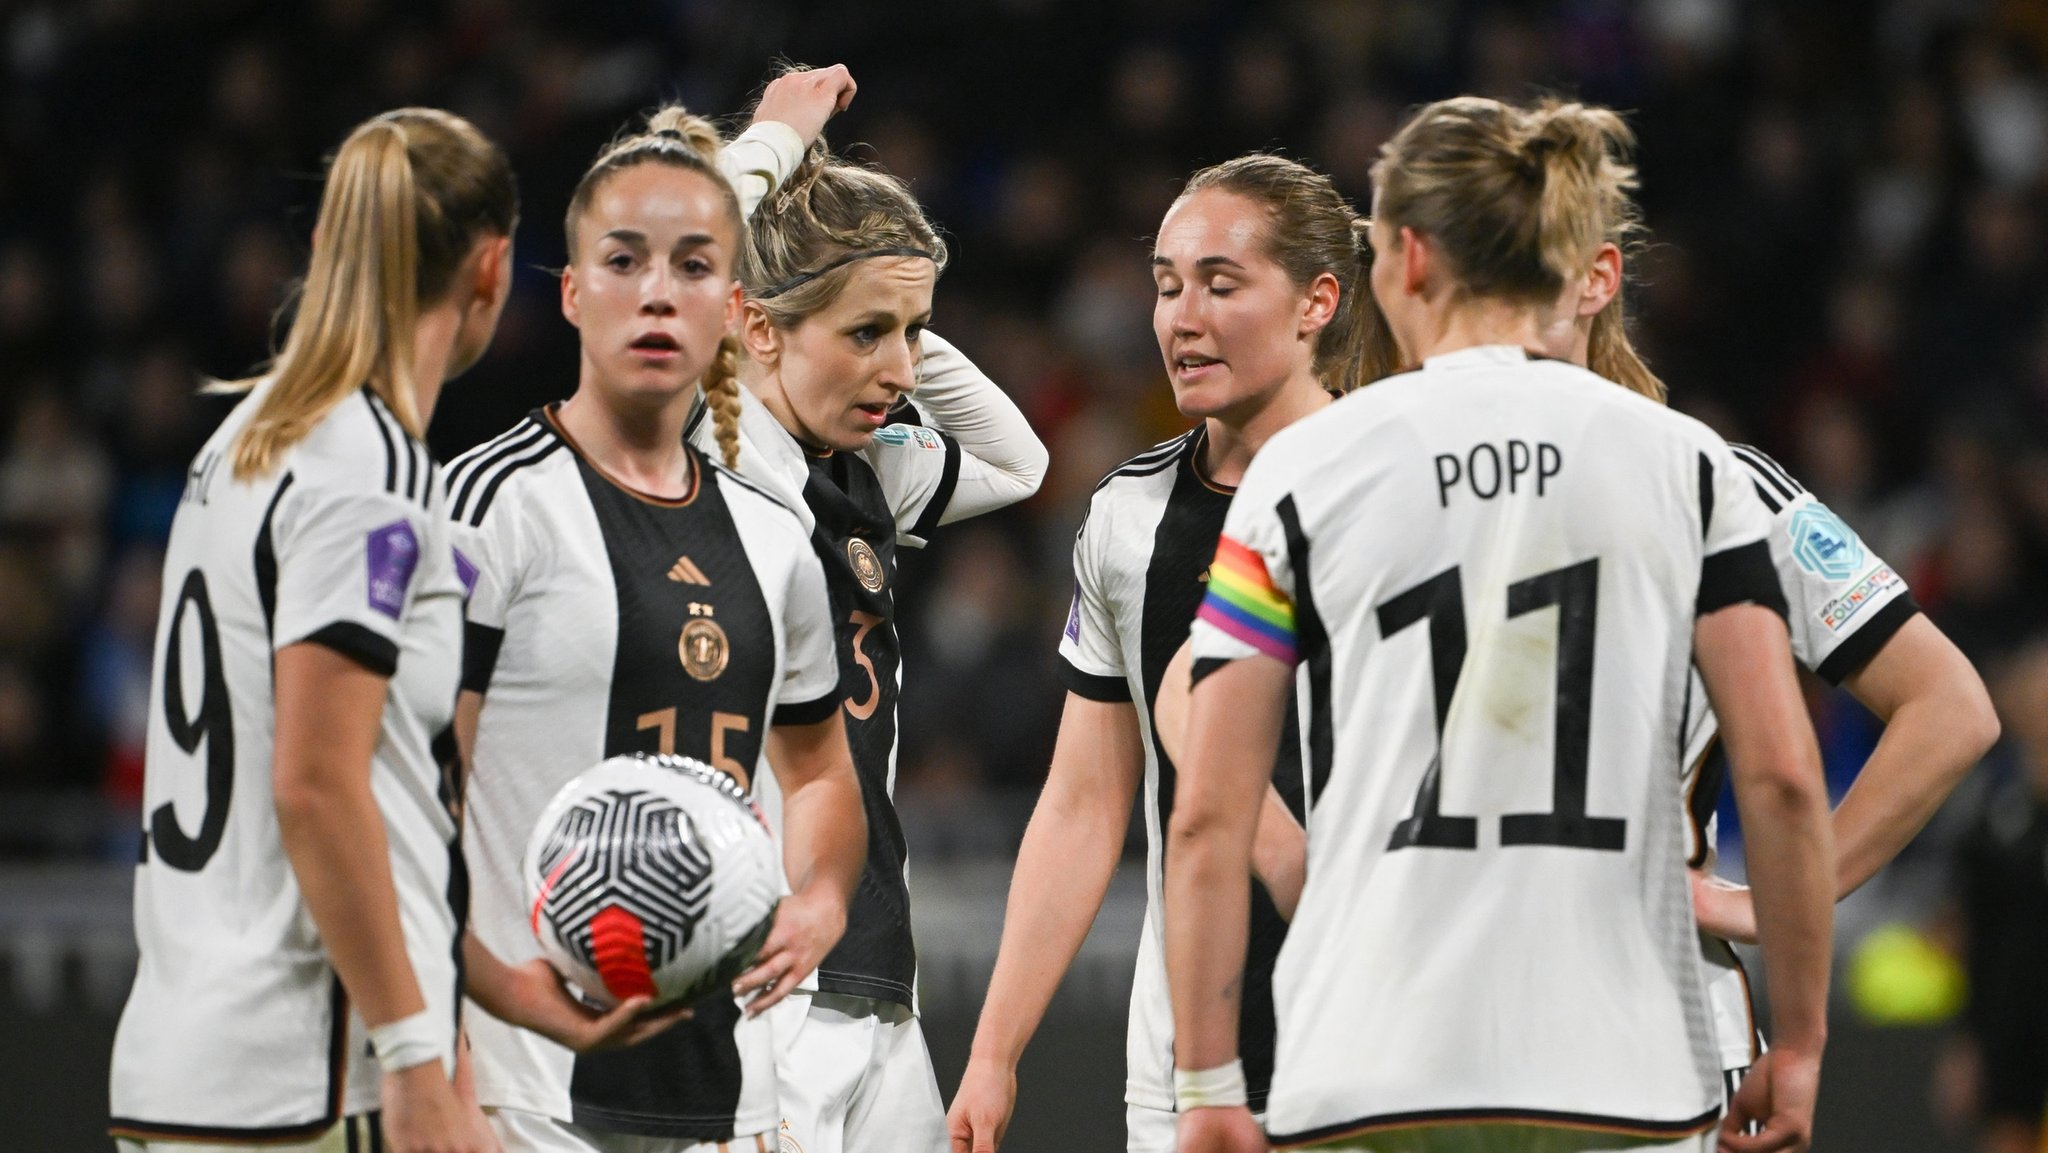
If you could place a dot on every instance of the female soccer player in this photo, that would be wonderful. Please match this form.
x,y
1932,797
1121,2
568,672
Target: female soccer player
x,y
839,283
1495,893
1260,316
299,877
629,595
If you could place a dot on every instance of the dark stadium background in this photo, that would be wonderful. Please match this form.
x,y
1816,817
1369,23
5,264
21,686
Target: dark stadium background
x,y
1848,270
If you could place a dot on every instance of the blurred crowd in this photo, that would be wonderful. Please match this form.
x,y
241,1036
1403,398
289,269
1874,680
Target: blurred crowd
x,y
1847,266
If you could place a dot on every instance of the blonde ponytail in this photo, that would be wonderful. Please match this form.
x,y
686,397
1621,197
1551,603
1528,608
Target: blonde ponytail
x,y
407,194
721,387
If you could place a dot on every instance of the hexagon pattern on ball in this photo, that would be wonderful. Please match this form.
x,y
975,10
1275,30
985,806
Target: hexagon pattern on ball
x,y
651,875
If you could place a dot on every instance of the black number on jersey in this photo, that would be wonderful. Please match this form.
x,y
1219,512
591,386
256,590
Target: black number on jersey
x,y
213,726
1575,591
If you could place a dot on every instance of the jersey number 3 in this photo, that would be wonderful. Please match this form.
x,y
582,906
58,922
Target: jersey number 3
x,y
212,725
1440,600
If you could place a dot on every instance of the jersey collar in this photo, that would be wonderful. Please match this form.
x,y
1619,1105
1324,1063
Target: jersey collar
x,y
1477,356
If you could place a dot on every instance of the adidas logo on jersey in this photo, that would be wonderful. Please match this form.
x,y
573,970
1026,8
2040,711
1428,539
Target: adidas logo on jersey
x,y
687,572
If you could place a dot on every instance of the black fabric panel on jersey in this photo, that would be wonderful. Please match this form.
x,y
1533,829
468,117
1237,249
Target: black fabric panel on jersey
x,y
361,645
672,675
480,646
876,958
266,560
809,712
1176,580
1313,649
1706,495
1706,796
1863,644
1112,690
1743,574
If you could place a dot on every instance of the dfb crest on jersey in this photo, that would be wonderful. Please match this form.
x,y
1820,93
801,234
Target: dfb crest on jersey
x,y
651,876
867,567
1823,544
704,649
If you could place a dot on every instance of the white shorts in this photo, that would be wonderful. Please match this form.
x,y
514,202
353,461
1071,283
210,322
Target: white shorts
x,y
523,1132
854,1077
1155,1130
350,1135
1512,1139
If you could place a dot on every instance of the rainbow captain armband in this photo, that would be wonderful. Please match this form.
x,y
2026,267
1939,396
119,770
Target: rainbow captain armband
x,y
1244,604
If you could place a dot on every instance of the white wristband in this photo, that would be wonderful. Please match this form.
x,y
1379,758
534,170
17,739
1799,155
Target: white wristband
x,y
408,1041
1220,1087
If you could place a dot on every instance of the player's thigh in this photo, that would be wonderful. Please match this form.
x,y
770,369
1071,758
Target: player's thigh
x,y
1149,1130
822,1047
896,1108
1512,1139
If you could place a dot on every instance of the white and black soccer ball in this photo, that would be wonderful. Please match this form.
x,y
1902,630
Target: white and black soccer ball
x,y
651,875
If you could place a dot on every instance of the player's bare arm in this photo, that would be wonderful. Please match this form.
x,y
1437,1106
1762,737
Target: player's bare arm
x,y
1938,722
1233,729
329,713
1064,865
824,845
1744,656
1280,847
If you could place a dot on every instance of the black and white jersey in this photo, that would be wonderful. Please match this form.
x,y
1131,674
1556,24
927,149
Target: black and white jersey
x,y
1491,567
1844,604
602,621
857,507
1141,568
237,1028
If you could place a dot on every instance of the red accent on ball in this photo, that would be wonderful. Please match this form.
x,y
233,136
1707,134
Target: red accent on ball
x,y
620,950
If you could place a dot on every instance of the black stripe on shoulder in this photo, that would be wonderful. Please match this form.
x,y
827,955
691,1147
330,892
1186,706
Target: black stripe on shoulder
x,y
1769,498
468,467
1769,470
489,492
1156,459
698,411
390,445
475,470
942,496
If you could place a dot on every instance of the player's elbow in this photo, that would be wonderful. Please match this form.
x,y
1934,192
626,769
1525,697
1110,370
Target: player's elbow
x,y
1033,461
1972,724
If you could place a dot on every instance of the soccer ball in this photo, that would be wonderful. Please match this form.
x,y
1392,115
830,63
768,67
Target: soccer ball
x,y
651,875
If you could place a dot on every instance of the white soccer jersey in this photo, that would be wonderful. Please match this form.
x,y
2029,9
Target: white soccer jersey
x,y
1491,567
237,1028
1141,567
1844,603
603,621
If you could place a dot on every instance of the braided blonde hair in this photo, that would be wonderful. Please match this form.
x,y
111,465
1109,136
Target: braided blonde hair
x,y
676,137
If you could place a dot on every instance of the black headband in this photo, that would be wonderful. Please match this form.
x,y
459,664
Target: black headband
x,y
803,278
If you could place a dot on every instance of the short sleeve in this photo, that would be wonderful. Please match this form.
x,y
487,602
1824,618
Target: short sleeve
x,y
810,675
1091,660
490,558
919,468
1249,608
348,567
1843,602
1735,565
